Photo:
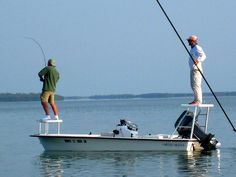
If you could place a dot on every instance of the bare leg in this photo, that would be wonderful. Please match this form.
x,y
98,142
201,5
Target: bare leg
x,y
45,107
54,108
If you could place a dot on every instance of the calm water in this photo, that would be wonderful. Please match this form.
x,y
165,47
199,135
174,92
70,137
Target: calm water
x,y
21,155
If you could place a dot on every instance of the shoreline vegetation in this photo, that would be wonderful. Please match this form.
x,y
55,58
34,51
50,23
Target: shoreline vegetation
x,y
148,95
14,97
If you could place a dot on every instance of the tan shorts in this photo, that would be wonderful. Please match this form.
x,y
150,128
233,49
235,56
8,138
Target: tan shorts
x,y
47,96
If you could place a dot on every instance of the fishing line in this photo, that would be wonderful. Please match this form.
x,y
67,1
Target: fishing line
x,y
196,65
44,57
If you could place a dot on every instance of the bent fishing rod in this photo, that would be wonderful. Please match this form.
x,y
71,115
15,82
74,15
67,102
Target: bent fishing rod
x,y
44,57
223,110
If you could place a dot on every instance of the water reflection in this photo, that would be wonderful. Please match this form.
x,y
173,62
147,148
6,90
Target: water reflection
x,y
58,164
86,164
51,164
200,164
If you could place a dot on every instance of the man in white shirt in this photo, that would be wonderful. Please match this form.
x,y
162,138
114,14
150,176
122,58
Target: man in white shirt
x,y
195,64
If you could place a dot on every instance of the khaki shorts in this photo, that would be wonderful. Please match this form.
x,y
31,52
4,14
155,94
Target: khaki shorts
x,y
47,96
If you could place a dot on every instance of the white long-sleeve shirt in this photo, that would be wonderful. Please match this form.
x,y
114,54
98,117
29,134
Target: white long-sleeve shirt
x,y
197,54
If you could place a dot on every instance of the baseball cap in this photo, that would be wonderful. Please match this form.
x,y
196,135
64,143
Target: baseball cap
x,y
192,38
52,62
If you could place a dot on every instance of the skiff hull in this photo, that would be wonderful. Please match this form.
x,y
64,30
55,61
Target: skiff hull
x,y
67,142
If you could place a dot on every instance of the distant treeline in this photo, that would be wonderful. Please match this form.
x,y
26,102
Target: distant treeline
x,y
149,95
8,97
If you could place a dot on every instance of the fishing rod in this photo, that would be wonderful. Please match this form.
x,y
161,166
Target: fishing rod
x,y
196,65
44,57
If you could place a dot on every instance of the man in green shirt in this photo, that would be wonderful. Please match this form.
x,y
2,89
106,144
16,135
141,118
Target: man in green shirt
x,y
49,76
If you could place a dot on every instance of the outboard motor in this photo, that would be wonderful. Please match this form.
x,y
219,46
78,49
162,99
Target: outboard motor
x,y
183,124
126,129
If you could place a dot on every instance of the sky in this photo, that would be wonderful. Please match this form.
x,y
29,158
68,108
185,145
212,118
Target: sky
x,y
115,46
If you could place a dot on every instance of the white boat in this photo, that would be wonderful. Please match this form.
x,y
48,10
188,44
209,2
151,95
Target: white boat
x,y
186,136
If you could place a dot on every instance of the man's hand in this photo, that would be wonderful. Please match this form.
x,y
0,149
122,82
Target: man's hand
x,y
41,78
196,62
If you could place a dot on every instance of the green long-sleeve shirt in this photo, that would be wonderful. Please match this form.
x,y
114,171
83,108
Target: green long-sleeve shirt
x,y
50,76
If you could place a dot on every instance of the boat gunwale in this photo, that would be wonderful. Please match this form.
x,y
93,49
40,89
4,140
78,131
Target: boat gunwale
x,y
112,138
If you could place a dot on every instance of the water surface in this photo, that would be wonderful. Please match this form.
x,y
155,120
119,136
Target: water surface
x,y
21,155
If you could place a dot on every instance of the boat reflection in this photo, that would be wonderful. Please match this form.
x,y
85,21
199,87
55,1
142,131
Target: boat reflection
x,y
81,163
200,163
128,163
